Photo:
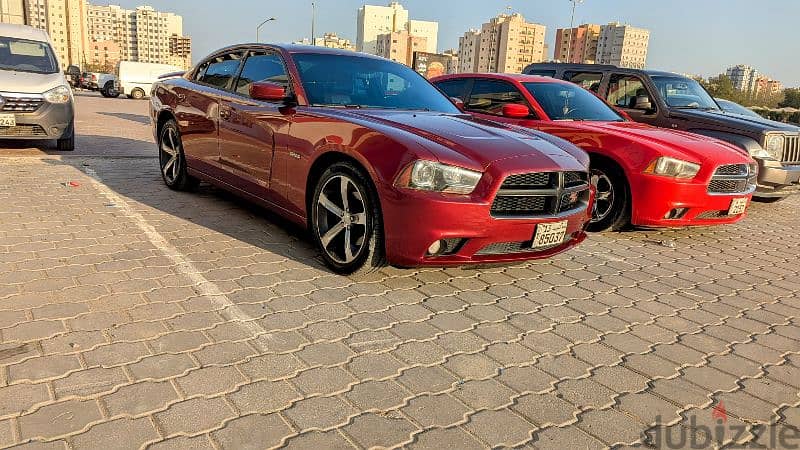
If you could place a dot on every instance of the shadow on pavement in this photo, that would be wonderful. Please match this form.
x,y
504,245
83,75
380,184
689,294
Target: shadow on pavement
x,y
138,118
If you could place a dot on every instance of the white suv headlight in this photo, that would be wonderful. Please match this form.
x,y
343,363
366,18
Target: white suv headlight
x,y
58,95
671,167
774,145
426,175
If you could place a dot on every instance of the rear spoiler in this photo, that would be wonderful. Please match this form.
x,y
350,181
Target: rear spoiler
x,y
172,75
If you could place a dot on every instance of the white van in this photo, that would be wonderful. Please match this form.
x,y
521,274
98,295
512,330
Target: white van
x,y
135,79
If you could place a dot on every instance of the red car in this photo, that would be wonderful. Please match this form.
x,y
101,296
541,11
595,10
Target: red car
x,y
643,175
370,157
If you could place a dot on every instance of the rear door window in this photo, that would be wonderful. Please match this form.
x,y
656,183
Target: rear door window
x,y
220,71
623,90
587,80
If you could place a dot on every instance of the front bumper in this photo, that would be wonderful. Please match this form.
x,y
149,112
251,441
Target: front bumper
x,y
656,197
49,121
776,179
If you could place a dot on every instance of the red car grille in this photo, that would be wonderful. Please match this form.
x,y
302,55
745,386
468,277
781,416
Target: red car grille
x,y
541,194
731,179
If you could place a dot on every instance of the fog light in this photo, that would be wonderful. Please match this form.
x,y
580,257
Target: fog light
x,y
676,213
54,130
435,248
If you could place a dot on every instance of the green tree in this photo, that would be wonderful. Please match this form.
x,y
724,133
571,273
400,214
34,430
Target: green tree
x,y
791,98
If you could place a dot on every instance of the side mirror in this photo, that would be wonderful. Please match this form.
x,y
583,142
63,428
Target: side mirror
x,y
268,92
643,103
515,111
458,102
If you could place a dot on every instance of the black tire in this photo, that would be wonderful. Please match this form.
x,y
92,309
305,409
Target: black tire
x,y
172,161
109,91
615,214
769,199
67,141
362,235
137,94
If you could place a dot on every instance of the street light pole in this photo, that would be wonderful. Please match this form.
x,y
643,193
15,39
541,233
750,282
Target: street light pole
x,y
313,19
258,28
572,26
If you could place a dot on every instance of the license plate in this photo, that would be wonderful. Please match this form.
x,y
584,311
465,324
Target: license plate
x,y
8,120
550,234
738,206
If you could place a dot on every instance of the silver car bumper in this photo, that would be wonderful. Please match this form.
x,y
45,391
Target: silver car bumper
x,y
36,118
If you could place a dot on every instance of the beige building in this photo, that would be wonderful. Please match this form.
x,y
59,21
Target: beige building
x,y
505,44
577,45
331,40
623,45
65,22
12,11
374,21
105,54
400,46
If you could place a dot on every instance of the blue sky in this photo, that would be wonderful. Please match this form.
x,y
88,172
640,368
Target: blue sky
x,y
693,36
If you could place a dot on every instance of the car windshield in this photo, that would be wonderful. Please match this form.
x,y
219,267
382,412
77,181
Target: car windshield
x,y
26,56
361,82
680,92
562,101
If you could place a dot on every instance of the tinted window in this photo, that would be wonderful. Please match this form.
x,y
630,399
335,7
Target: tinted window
x,y
543,73
489,96
681,92
586,80
220,71
261,68
454,88
562,101
623,90
26,56
364,82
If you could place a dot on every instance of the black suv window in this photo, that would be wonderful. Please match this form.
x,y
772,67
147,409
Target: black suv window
x,y
219,71
543,73
489,96
261,67
623,90
454,88
587,80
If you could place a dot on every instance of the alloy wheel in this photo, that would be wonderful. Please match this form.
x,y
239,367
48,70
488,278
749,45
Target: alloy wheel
x,y
341,219
169,155
604,196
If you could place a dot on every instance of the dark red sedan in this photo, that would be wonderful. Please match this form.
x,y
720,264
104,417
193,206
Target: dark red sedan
x,y
643,175
375,161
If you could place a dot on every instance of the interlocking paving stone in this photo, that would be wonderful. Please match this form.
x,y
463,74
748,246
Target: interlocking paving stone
x,y
105,341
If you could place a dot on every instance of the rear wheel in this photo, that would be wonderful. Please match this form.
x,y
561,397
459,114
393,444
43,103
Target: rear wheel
x,y
137,94
612,205
109,91
172,159
346,221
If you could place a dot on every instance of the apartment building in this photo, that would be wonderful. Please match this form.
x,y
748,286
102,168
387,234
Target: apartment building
x,y
744,77
12,11
505,44
65,22
400,46
623,45
374,21
577,45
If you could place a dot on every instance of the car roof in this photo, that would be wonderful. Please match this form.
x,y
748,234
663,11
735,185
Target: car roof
x,y
297,48
502,76
23,32
601,67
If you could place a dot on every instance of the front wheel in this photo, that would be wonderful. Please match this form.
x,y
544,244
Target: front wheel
x,y
172,159
67,141
346,221
612,204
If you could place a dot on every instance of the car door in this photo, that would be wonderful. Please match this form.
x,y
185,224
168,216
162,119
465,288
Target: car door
x,y
627,93
249,128
488,96
197,111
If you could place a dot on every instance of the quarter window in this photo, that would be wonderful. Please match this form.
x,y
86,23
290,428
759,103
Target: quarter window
x,y
623,90
489,96
261,67
220,71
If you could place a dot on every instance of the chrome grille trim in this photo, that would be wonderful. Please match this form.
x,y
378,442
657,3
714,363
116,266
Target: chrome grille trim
x,y
22,103
791,150
541,194
731,179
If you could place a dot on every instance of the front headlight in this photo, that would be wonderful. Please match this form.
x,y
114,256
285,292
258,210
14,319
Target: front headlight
x,y
774,145
671,167
433,176
759,152
59,95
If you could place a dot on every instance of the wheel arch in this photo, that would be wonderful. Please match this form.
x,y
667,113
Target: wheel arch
x,y
600,158
162,118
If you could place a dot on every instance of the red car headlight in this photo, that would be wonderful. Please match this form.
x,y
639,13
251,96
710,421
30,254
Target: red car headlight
x,y
426,175
671,167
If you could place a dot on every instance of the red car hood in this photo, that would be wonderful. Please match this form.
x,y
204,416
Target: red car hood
x,y
693,146
465,140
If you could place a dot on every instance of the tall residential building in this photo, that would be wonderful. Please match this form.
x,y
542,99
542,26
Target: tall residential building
x,y
12,11
400,46
743,77
374,21
577,45
103,54
505,44
65,22
143,34
330,40
623,45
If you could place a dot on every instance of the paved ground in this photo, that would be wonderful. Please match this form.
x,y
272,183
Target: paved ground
x,y
131,315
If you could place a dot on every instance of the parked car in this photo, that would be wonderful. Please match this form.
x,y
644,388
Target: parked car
x,y
73,75
674,101
136,79
98,81
735,108
643,175
370,157
35,98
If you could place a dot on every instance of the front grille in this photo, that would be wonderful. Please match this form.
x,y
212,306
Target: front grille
x,y
732,169
732,179
791,150
23,131
22,104
709,215
727,186
541,194
508,248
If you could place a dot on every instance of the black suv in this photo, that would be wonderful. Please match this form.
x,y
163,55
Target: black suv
x,y
674,101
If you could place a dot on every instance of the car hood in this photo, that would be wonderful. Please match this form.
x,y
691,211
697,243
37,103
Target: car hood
x,y
30,83
669,142
725,121
469,141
